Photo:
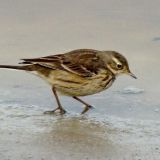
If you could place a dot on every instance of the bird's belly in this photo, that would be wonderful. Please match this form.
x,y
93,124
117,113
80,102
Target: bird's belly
x,y
81,90
73,85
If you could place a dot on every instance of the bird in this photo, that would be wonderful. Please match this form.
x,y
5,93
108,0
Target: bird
x,y
77,73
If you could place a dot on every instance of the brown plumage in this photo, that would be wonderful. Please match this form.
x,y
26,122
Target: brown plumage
x,y
83,62
77,73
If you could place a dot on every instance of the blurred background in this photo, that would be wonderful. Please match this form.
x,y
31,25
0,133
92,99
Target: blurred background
x,y
128,114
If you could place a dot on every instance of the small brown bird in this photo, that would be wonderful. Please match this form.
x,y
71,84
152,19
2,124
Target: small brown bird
x,y
77,73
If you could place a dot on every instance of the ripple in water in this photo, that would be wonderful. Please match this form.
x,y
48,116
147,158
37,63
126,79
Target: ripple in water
x,y
132,90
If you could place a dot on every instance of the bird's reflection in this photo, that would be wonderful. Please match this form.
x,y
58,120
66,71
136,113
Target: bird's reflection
x,y
77,135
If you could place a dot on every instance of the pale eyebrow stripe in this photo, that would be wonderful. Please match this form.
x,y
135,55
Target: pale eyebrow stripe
x,y
116,60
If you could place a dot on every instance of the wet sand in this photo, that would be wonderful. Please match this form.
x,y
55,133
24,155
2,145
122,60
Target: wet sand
x,y
110,131
125,123
28,135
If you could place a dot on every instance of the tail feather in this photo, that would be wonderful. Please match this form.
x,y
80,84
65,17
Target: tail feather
x,y
26,67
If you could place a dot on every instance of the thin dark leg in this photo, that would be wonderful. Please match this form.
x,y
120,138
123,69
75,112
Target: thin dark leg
x,y
60,108
87,106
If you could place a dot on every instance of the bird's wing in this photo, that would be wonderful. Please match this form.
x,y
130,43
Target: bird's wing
x,y
83,62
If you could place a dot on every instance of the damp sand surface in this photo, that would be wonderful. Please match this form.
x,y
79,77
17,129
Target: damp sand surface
x,y
113,130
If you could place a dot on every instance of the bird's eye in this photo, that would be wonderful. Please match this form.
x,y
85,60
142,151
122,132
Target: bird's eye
x,y
119,66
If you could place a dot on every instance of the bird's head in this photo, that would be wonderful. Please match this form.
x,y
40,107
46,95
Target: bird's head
x,y
117,63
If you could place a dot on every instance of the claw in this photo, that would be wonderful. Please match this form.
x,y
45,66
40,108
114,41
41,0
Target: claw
x,y
87,107
61,111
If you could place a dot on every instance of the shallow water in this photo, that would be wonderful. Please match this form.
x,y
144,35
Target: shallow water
x,y
125,121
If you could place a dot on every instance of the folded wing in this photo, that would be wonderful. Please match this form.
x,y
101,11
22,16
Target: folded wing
x,y
83,62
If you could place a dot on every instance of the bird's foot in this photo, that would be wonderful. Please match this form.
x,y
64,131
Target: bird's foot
x,y
87,107
58,110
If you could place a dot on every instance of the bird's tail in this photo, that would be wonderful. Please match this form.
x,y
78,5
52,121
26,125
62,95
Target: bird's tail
x,y
25,67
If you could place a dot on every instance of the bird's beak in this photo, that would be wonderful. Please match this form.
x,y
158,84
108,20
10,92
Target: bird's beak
x,y
132,75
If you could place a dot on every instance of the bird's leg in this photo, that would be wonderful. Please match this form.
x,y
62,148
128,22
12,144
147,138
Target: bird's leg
x,y
60,108
87,106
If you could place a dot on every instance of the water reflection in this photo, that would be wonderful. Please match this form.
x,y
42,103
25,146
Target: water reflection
x,y
72,136
78,137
